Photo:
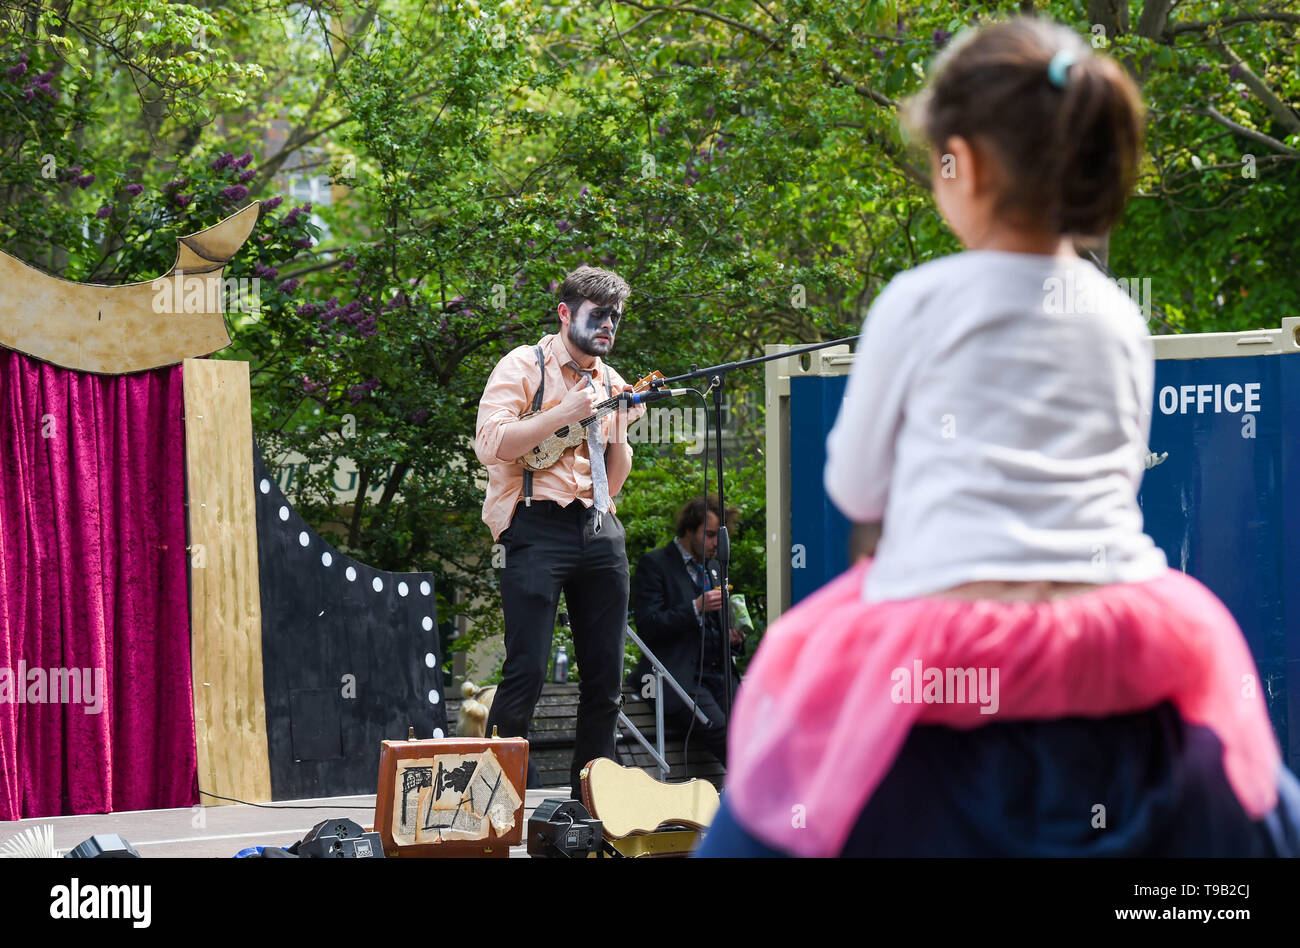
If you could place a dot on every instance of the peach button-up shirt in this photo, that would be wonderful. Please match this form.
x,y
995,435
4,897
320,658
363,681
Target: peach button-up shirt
x,y
508,394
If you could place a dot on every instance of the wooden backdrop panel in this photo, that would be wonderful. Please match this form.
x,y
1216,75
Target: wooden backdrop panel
x,y
226,612
115,330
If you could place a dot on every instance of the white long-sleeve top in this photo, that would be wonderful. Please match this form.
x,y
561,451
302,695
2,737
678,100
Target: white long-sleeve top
x,y
996,418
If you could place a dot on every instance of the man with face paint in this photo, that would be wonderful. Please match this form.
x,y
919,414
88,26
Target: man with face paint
x,y
557,528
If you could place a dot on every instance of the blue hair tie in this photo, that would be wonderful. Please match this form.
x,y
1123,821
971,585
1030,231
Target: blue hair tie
x,y
1058,69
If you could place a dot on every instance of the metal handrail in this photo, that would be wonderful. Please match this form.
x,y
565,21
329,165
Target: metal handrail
x,y
662,674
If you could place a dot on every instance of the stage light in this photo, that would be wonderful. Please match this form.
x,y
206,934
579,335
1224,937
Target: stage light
x,y
340,838
562,829
105,846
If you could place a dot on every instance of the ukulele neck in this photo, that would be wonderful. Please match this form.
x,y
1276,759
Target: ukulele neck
x,y
603,409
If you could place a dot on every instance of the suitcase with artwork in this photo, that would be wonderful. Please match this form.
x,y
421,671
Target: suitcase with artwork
x,y
461,796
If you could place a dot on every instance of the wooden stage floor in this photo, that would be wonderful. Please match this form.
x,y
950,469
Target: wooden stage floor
x,y
221,831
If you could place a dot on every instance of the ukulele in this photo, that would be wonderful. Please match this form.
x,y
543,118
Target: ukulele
x,y
551,450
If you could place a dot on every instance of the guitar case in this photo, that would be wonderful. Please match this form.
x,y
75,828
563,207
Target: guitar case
x,y
641,816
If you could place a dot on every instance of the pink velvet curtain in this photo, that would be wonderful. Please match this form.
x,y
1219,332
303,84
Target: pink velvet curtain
x,y
96,712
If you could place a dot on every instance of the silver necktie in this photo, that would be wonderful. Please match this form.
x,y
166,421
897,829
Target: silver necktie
x,y
599,480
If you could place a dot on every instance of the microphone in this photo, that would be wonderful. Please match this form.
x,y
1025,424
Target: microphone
x,y
654,395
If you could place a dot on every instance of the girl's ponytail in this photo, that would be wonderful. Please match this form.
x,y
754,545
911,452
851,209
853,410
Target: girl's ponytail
x,y
1096,143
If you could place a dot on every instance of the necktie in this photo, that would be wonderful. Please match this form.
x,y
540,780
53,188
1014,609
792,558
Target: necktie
x,y
697,572
599,480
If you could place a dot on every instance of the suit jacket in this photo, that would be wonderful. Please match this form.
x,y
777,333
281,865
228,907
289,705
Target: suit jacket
x,y
662,604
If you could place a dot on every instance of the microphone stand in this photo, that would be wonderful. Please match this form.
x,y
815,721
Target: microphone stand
x,y
717,375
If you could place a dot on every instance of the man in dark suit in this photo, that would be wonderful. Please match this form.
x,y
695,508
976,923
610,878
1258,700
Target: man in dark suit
x,y
676,602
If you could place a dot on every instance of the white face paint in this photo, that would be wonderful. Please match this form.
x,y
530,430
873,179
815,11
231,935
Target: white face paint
x,y
592,328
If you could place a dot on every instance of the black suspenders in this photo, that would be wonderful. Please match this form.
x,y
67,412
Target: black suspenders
x,y
537,406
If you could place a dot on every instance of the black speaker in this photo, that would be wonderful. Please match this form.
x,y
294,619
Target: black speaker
x,y
562,829
106,846
340,838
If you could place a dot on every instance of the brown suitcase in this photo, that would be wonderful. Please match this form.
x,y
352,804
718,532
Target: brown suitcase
x,y
459,796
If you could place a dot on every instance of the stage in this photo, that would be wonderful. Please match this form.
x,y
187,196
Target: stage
x,y
218,832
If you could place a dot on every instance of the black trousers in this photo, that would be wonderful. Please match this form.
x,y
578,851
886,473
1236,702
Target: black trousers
x,y
710,696
549,548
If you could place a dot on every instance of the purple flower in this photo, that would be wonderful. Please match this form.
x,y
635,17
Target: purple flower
x,y
271,204
265,272
358,392
85,181
303,242
135,190
288,286
877,52
583,192
419,415
292,217
1203,67
530,244
662,129
16,72
234,192
309,310
222,162
42,85
248,175
349,264
105,210
183,200
939,37
562,226
243,160
310,387
1234,71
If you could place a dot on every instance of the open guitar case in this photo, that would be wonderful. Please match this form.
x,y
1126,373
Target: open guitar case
x,y
642,817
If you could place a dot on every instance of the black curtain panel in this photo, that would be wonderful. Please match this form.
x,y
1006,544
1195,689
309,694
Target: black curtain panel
x,y
350,655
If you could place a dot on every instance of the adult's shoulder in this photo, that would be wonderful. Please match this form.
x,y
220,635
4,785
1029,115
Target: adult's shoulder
x,y
656,554
517,360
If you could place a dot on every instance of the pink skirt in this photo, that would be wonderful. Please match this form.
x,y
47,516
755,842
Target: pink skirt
x,y
838,683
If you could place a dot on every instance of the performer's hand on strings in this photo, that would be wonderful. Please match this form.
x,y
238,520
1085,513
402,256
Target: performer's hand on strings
x,y
580,403
624,417
636,411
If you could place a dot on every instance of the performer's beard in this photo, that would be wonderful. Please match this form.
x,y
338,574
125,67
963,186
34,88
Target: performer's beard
x,y
587,336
